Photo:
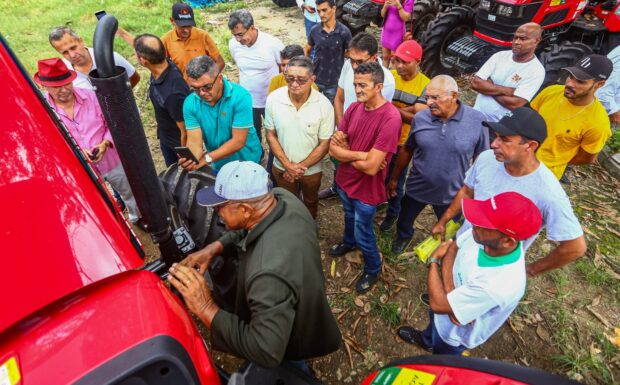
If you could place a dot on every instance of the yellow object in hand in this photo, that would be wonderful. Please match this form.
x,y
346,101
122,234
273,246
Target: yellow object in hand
x,y
427,246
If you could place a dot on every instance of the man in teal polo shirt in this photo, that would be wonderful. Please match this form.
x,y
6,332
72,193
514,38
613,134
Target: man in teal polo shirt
x,y
217,114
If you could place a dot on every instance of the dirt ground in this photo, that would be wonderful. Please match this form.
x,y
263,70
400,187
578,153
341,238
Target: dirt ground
x,y
560,326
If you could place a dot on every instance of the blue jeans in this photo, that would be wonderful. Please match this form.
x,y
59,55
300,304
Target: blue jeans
x,y
309,24
393,208
328,91
432,339
410,209
358,230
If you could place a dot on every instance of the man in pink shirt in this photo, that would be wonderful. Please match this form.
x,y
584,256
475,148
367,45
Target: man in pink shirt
x,y
365,142
79,111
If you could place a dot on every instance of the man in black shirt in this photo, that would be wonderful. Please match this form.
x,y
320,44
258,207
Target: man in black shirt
x,y
167,92
329,40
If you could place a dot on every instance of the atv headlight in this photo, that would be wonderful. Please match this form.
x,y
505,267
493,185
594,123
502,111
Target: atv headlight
x,y
504,10
485,5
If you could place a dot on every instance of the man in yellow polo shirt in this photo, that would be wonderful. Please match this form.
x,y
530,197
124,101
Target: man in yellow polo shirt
x,y
410,85
185,42
577,123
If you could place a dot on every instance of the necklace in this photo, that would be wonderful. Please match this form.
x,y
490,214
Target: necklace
x,y
563,119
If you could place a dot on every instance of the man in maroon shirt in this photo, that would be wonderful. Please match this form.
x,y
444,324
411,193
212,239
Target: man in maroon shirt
x,y
365,142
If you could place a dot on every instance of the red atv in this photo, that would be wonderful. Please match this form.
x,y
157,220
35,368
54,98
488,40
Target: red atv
x,y
462,39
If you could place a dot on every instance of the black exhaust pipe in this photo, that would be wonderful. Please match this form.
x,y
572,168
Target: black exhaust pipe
x,y
121,113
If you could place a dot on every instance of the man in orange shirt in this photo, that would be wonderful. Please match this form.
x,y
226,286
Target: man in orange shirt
x,y
184,42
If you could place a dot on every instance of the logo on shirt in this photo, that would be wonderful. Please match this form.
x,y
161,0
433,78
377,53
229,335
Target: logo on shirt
x,y
223,114
516,78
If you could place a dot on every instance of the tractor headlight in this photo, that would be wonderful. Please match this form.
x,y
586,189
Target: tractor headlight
x,y
485,5
504,10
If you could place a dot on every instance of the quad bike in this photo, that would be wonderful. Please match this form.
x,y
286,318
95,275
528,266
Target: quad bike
x,y
461,39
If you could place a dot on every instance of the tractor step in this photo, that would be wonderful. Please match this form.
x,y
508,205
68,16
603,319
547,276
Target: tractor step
x,y
362,8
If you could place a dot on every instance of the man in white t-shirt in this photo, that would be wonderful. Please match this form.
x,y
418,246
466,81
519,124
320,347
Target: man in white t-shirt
x,y
81,59
362,48
257,55
510,79
511,165
482,275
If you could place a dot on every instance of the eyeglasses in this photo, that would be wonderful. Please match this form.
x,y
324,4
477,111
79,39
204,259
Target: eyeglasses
x,y
206,88
240,35
293,79
435,97
361,61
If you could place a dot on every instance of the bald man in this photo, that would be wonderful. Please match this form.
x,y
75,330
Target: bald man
x,y
167,92
443,141
510,79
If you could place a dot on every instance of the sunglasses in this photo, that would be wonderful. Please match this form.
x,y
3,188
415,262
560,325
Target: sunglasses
x,y
206,88
293,79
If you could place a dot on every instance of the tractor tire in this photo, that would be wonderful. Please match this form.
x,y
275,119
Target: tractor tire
x,y
180,188
424,12
440,33
558,56
285,3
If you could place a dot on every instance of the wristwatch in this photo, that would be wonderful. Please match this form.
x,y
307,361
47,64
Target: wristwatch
x,y
433,260
208,159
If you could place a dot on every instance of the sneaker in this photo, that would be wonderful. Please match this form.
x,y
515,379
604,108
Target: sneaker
x,y
339,250
141,225
366,283
413,336
327,193
426,300
387,224
400,245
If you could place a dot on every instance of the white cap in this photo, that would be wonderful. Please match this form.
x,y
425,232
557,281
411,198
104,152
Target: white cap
x,y
236,181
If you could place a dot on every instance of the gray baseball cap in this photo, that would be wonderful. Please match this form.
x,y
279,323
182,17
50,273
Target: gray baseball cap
x,y
235,181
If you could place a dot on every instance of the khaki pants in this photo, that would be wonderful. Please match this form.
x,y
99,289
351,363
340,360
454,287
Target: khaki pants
x,y
308,184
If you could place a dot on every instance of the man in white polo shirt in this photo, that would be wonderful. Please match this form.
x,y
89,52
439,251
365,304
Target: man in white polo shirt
x,y
299,121
257,55
482,275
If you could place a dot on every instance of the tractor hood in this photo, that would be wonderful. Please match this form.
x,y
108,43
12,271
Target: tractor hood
x,y
59,230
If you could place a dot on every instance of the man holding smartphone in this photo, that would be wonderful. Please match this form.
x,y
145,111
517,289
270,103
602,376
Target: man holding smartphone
x,y
78,109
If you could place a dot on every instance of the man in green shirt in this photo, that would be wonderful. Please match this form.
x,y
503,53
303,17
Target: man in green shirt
x,y
280,311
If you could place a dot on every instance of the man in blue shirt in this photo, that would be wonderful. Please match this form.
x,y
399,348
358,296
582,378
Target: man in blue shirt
x,y
217,114
443,141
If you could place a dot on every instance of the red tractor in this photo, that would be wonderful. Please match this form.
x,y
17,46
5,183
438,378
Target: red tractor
x,y
463,38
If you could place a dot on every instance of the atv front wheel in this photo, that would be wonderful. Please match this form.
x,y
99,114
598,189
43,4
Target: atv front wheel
x,y
441,32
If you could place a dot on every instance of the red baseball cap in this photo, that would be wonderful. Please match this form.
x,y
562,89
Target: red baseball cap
x,y
509,212
408,51
54,73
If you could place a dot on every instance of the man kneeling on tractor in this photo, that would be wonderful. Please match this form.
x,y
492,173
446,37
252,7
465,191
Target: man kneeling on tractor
x,y
280,311
475,283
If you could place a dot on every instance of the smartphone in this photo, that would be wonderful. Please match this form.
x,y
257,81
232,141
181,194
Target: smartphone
x,y
99,14
184,152
94,153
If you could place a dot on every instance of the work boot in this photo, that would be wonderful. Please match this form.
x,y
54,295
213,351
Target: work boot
x,y
340,249
387,224
366,283
327,192
400,245
413,336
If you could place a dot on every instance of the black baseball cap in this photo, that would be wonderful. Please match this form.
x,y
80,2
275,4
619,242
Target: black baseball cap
x,y
522,121
597,67
183,15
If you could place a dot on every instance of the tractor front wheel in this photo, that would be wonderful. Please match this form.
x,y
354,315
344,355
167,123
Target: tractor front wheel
x,y
285,3
424,12
558,56
443,31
